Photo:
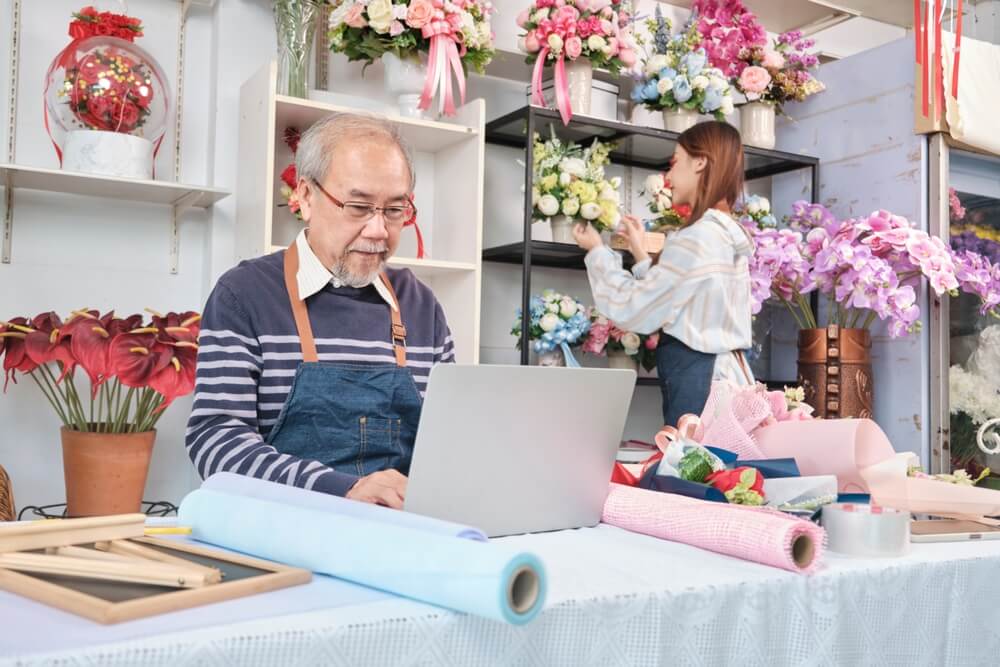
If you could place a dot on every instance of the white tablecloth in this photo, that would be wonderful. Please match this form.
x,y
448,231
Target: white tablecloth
x,y
615,599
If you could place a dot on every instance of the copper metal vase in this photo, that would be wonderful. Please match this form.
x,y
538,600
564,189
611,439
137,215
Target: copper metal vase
x,y
835,369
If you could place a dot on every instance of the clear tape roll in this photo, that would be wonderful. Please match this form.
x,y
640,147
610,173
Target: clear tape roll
x,y
864,530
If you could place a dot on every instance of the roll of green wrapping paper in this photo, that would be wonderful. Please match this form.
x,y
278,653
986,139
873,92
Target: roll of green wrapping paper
x,y
462,575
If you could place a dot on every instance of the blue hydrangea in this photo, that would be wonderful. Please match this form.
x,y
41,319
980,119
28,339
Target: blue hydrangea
x,y
712,101
649,91
694,62
682,89
668,73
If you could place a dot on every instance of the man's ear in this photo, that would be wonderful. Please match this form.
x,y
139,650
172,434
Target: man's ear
x,y
304,192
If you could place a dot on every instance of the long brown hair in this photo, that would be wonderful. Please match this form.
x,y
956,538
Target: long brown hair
x,y
722,179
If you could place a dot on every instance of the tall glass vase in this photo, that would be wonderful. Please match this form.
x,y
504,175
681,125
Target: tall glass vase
x,y
295,22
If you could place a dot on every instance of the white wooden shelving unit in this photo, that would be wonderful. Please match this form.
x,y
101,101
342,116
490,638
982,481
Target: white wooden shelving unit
x,y
449,159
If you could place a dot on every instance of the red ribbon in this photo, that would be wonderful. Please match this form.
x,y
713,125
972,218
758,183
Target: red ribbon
x,y
958,52
925,70
938,62
412,222
917,31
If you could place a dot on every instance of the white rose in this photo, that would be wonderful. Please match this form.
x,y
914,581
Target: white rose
x,y
590,211
555,42
596,43
565,179
549,322
656,63
765,205
609,193
717,82
700,82
573,166
553,307
548,205
631,343
753,208
485,34
571,206
664,86
380,15
663,201
653,185
727,105
616,182
567,309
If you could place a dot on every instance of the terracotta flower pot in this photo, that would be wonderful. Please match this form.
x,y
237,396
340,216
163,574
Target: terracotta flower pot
x,y
835,369
105,472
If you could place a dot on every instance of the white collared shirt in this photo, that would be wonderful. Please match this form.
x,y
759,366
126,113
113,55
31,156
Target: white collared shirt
x,y
313,276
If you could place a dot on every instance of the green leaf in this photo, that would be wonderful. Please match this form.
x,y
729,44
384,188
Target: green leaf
x,y
748,477
695,465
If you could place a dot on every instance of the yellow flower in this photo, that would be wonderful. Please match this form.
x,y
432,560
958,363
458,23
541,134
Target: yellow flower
x,y
585,192
609,212
549,182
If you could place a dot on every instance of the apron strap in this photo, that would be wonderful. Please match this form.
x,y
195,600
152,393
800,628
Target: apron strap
x,y
741,360
299,311
398,330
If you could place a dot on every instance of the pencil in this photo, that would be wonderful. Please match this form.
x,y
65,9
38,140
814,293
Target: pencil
x,y
167,530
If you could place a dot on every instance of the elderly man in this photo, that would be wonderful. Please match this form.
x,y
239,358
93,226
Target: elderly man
x,y
313,360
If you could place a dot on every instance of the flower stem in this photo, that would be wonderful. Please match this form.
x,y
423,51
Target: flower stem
x,y
50,396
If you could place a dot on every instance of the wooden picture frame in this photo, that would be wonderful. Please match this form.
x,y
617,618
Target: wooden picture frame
x,y
110,602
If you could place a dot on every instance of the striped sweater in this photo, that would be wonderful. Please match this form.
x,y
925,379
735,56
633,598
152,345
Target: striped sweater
x,y
249,352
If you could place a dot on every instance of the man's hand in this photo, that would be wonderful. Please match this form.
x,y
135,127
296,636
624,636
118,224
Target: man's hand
x,y
386,487
586,236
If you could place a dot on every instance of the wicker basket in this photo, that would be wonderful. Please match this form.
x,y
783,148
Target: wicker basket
x,y
6,497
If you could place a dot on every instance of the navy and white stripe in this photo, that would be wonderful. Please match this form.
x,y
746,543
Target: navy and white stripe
x,y
249,352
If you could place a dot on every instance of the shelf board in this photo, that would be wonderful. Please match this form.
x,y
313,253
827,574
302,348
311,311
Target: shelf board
x,y
637,145
428,136
545,253
128,189
420,267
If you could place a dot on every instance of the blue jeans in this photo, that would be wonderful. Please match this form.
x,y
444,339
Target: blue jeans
x,y
685,378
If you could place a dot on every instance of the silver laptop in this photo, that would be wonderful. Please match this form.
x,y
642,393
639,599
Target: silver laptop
x,y
518,449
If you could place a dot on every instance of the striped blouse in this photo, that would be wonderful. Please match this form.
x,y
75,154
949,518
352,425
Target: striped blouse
x,y
698,291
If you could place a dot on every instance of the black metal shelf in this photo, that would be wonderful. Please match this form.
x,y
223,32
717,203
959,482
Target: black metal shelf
x,y
545,253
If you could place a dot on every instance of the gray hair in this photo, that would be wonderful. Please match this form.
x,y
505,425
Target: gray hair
x,y
312,159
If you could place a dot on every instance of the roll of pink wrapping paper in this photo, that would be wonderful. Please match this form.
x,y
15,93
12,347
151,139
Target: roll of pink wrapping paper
x,y
840,447
756,534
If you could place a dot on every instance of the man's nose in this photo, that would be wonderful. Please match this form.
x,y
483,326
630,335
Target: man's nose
x,y
376,228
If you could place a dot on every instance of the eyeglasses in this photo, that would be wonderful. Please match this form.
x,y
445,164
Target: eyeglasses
x,y
360,211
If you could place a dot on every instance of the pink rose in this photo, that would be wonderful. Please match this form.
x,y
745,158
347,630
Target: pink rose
x,y
420,13
652,341
613,47
356,16
523,18
754,80
627,56
574,46
566,14
773,59
607,28
531,44
396,29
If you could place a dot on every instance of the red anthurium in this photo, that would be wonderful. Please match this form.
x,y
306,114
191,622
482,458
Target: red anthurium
x,y
117,325
176,378
178,327
136,357
45,344
16,358
91,346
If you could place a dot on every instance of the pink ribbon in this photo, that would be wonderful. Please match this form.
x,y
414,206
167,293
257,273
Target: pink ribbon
x,y
444,54
689,427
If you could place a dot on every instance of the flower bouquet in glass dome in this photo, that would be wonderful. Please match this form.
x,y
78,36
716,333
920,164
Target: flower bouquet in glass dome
x,y
867,269
575,36
678,80
624,349
136,368
106,99
570,186
425,45
772,76
556,323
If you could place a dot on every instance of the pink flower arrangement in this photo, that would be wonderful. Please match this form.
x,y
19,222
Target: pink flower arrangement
x,y
779,73
605,336
868,268
728,30
955,206
599,30
754,79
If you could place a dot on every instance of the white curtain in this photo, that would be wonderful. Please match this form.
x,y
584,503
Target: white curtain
x,y
973,116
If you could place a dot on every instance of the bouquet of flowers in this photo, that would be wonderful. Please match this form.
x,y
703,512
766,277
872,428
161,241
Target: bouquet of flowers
x,y
677,76
755,211
153,361
867,267
728,30
289,179
555,321
780,73
556,30
456,35
570,180
605,337
660,202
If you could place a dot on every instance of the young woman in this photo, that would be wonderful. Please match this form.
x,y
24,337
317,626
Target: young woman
x,y
697,295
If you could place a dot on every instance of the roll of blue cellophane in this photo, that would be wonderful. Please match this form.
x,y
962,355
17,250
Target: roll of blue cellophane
x,y
241,485
459,574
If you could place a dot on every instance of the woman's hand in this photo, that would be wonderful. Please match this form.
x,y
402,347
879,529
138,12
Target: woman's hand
x,y
586,236
635,233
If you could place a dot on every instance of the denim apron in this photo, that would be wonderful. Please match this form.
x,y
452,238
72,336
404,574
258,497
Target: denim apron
x,y
685,377
356,418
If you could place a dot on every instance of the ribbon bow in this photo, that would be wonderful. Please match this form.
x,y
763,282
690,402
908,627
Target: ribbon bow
x,y
444,53
689,428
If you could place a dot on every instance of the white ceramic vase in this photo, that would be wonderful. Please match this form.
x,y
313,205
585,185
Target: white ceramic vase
x,y
757,124
579,79
404,80
108,154
678,120
562,229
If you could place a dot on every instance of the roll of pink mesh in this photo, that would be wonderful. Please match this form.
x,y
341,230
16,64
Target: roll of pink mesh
x,y
756,534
